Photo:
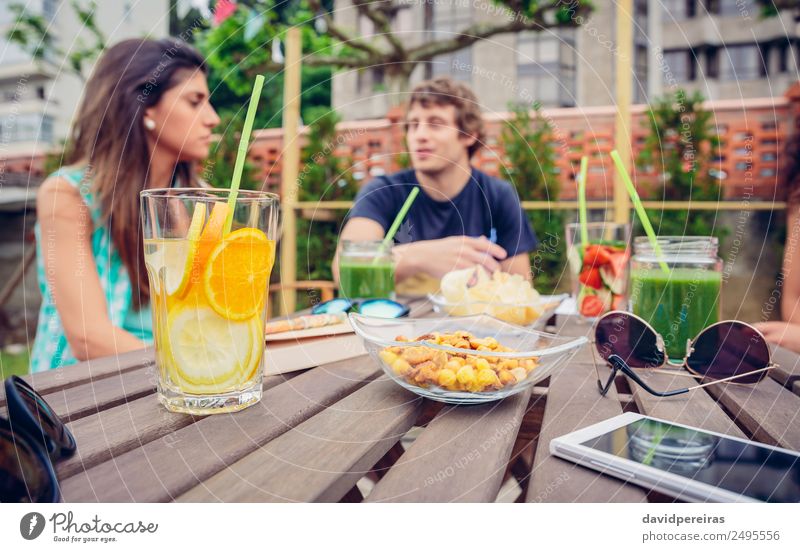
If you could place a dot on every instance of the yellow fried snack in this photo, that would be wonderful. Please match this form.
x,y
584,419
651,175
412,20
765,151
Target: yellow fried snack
x,y
468,371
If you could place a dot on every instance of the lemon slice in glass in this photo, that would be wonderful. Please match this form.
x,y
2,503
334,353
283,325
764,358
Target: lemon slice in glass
x,y
210,353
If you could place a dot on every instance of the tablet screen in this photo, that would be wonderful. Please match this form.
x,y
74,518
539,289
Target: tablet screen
x,y
743,468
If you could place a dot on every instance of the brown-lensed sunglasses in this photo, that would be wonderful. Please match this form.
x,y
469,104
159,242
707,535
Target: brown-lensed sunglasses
x,y
727,351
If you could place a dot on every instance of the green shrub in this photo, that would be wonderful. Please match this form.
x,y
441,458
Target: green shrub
x,y
680,147
531,167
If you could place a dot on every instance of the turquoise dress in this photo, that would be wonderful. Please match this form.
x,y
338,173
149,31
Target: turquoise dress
x,y
51,349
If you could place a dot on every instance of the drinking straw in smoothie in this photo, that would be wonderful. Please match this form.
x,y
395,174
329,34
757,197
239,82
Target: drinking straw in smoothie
x,y
637,204
361,278
387,240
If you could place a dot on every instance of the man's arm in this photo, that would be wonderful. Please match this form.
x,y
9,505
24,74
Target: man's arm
x,y
435,257
518,264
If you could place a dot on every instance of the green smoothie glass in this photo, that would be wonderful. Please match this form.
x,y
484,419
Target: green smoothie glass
x,y
366,270
684,299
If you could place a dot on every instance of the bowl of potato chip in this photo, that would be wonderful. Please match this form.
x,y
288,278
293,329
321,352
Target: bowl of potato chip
x,y
509,297
469,360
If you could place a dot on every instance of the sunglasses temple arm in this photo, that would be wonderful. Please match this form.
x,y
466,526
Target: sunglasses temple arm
x,y
604,388
731,378
623,367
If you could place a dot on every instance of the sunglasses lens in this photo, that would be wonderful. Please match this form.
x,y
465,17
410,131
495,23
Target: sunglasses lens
x,y
383,308
48,427
333,306
729,349
628,337
25,473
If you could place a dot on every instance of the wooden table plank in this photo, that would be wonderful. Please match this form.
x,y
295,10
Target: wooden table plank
x,y
573,402
71,376
122,428
788,370
80,401
695,408
321,459
769,411
460,457
165,468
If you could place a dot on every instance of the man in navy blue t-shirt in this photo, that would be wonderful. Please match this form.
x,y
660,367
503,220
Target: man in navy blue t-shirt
x,y
462,217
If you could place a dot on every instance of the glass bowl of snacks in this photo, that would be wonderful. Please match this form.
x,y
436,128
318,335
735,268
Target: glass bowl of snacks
x,y
467,360
509,297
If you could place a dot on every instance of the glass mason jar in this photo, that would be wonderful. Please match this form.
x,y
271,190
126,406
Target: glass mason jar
x,y
682,297
366,270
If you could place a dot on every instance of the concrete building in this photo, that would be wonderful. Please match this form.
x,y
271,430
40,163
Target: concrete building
x,y
720,47
38,98
723,48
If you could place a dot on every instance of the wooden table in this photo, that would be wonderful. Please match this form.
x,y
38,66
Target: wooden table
x,y
316,433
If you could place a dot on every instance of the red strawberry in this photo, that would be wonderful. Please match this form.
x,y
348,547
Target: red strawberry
x,y
591,305
596,256
590,277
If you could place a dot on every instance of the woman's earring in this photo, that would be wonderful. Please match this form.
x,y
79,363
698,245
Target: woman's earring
x,y
149,124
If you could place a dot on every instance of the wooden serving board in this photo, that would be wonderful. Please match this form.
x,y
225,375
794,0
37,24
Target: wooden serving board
x,y
295,335
281,357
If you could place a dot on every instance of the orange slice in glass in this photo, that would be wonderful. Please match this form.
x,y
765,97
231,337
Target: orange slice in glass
x,y
203,244
193,241
237,274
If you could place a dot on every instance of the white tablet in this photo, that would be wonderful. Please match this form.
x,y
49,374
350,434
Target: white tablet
x,y
684,462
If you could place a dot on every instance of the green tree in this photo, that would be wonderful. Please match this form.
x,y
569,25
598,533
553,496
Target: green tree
x,y
218,167
329,44
323,177
33,33
680,147
531,167
236,50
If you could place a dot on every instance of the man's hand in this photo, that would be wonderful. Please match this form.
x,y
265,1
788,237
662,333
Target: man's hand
x,y
438,257
785,334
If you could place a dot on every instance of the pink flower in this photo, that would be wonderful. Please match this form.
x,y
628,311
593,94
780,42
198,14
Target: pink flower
x,y
223,10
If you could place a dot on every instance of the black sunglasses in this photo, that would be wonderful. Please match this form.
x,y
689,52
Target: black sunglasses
x,y
31,439
380,308
728,351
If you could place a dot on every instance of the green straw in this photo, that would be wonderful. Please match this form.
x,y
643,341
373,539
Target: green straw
x,y
387,241
582,201
637,204
241,153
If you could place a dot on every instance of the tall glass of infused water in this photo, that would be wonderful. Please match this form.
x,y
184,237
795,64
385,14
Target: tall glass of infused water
x,y
209,261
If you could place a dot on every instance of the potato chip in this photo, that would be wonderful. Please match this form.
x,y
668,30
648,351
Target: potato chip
x,y
509,297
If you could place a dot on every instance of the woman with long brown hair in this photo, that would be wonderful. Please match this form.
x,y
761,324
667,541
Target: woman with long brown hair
x,y
144,122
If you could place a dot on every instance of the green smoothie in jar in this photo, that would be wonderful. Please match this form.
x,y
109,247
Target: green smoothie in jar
x,y
684,299
366,270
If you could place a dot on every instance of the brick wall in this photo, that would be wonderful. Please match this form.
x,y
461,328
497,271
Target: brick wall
x,y
752,133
